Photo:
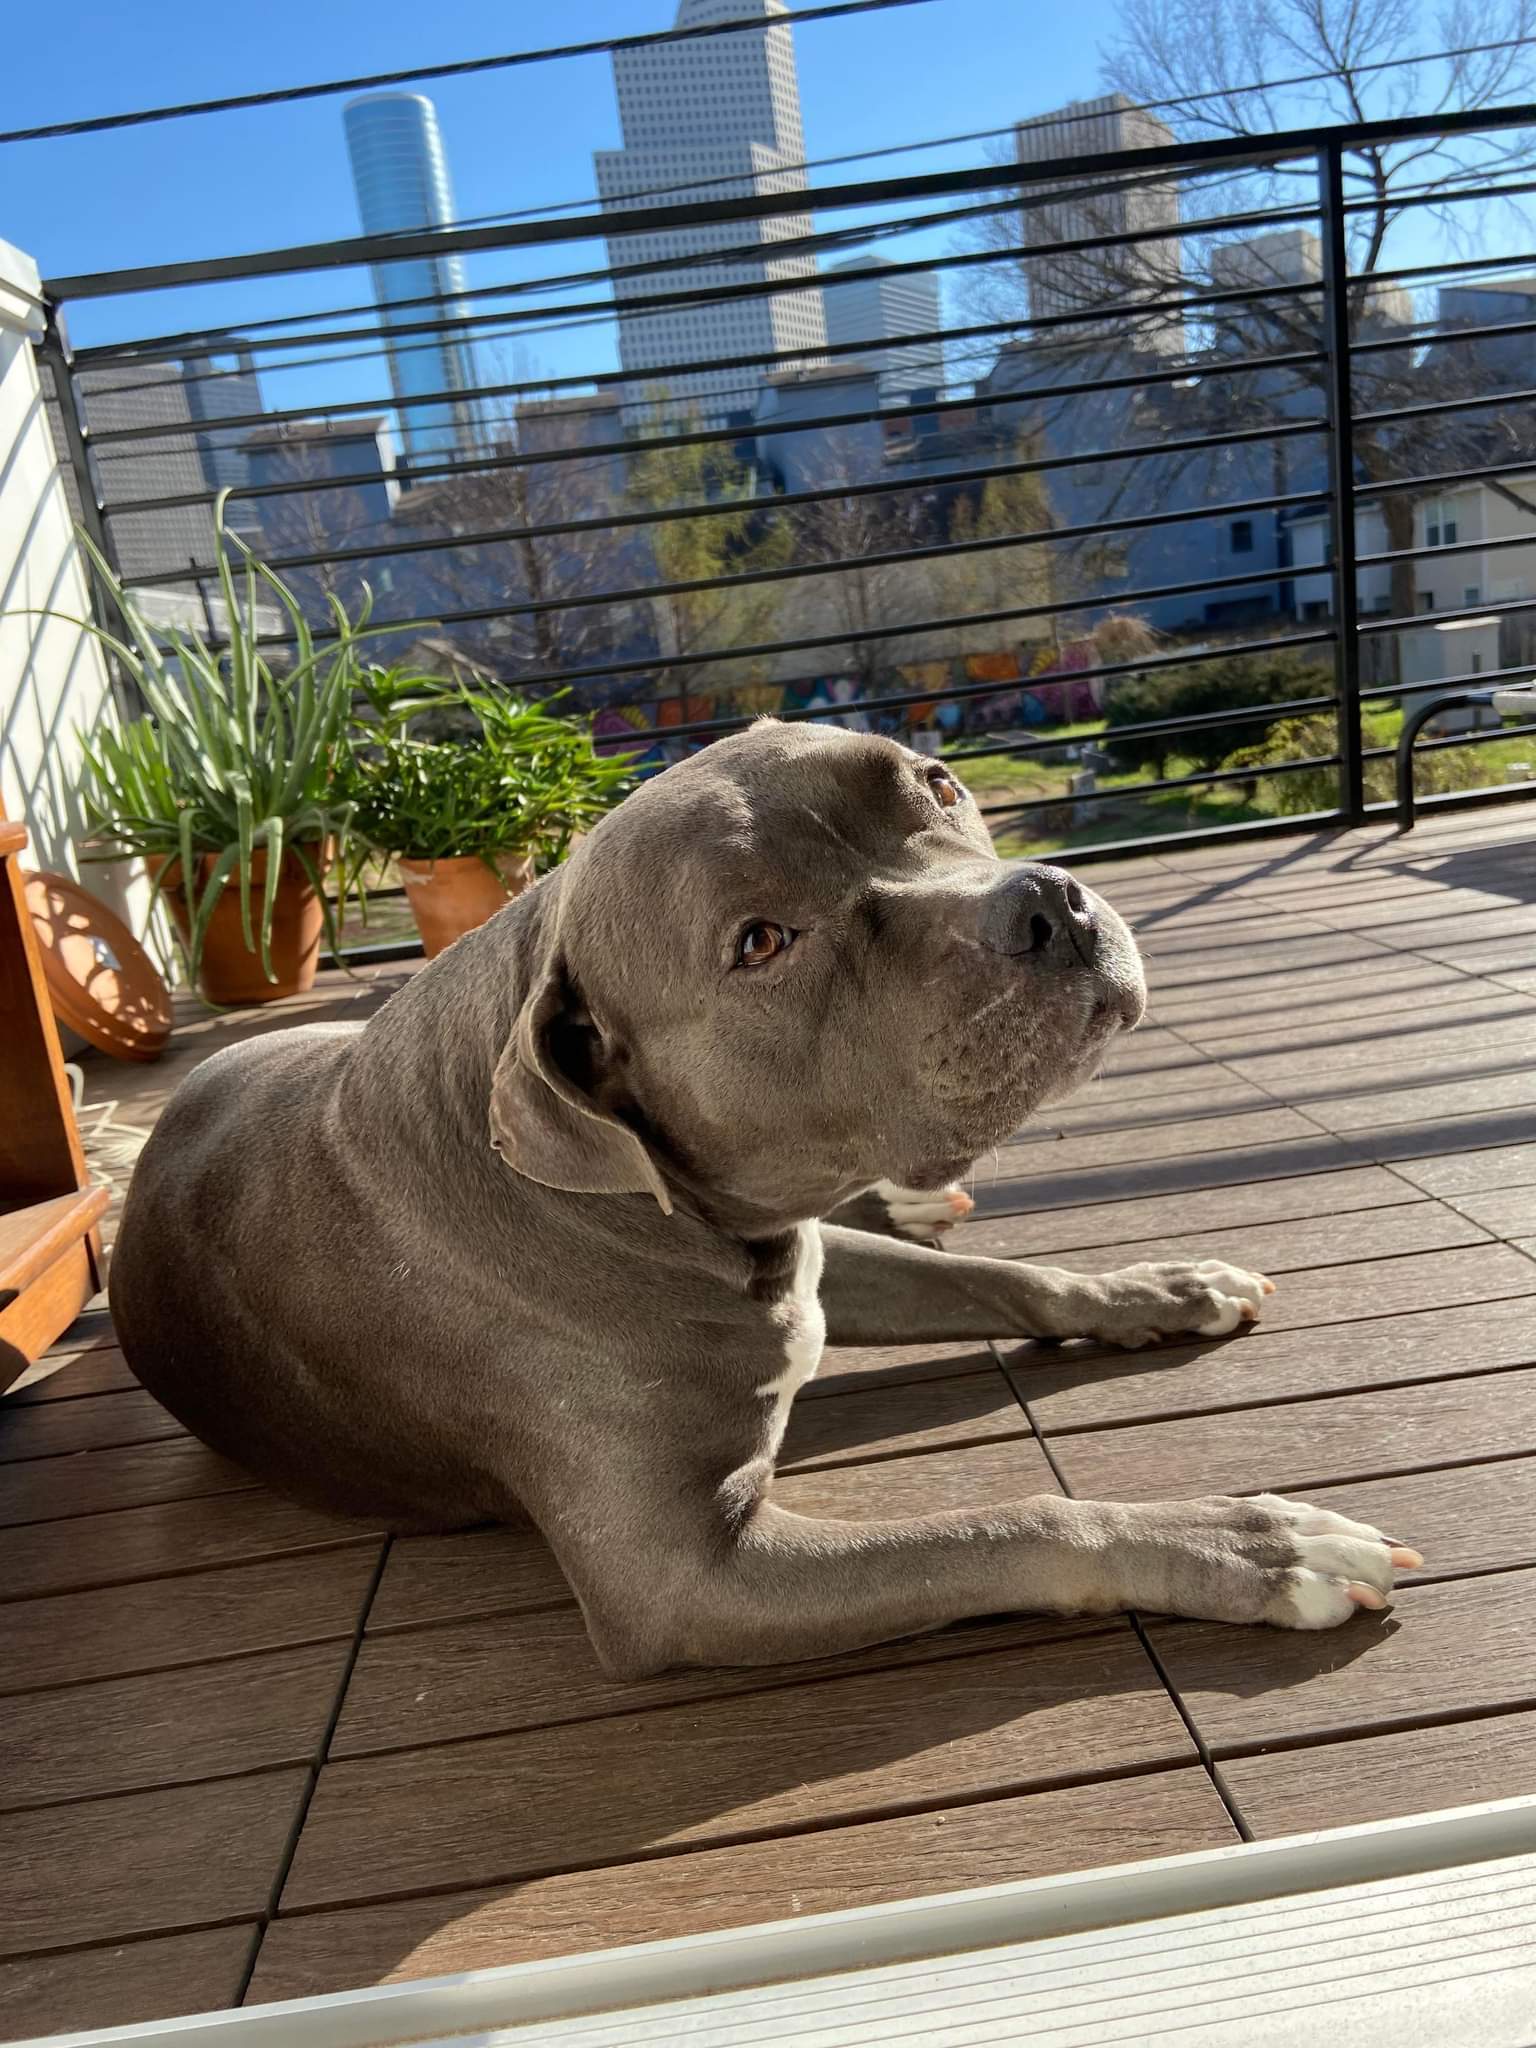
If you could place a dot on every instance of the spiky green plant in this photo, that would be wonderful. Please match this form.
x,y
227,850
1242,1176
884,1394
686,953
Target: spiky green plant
x,y
232,754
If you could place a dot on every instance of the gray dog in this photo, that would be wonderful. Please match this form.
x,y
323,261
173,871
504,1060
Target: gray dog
x,y
542,1238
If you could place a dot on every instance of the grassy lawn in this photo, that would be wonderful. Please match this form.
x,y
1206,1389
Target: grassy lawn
x,y
999,779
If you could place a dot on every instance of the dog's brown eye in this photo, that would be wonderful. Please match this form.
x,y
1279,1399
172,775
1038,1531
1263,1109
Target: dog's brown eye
x,y
944,787
759,943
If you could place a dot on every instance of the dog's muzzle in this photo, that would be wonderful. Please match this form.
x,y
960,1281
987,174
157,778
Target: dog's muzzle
x,y
1041,913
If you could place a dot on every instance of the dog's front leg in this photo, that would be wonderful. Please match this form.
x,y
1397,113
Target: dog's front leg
x,y
777,1587
877,1290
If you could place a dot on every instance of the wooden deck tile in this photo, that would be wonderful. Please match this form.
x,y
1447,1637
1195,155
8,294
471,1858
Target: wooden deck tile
x,y
845,1749
49,1429
53,1489
157,1623
1342,1784
886,1421
1307,1245
491,1676
1168,1813
1511,1088
1081,1388
1311,1056
100,1370
115,1547
1507,1212
1251,1690
845,1368
1502,1166
147,1863
129,1982
168,1727
1307,1443
1048,1232
1001,1185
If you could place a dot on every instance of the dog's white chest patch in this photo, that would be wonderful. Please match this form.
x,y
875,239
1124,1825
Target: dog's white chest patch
x,y
799,1315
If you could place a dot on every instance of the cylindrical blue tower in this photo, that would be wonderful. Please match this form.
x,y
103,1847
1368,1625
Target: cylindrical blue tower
x,y
401,178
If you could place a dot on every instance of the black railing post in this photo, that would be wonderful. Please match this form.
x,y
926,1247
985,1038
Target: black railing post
x,y
1341,479
53,352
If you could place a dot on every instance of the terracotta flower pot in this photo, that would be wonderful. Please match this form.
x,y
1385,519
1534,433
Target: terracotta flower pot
x,y
229,971
451,897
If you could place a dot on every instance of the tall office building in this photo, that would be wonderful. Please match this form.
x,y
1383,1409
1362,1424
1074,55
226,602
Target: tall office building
x,y
1133,273
217,389
166,462
864,303
401,177
720,115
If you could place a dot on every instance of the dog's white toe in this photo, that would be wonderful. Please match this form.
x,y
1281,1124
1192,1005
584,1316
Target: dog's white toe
x,y
1239,1295
920,1211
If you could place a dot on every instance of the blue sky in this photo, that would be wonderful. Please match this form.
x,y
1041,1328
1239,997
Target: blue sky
x,y
523,138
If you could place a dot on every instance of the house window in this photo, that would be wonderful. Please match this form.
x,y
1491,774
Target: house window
x,y
1439,524
1472,594
1426,600
1242,536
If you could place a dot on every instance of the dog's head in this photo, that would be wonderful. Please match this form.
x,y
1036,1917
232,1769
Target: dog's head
x,y
793,966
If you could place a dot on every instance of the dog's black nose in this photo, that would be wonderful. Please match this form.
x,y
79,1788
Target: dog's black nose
x,y
1039,910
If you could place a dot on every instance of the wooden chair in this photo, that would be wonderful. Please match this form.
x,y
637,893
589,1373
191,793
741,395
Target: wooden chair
x,y
50,1243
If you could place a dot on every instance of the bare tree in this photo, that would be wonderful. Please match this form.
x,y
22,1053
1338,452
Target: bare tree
x,y
1195,62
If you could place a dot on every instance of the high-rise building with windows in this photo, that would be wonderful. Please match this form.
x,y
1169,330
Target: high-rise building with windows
x,y
713,118
865,302
401,177
1134,273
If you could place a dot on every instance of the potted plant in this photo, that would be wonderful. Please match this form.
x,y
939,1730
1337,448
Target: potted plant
x,y
471,793
228,785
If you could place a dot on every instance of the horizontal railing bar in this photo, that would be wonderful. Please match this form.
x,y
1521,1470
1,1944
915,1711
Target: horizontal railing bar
x,y
1152,728
1233,152
437,543
485,465
811,351
1462,611
470,395
1470,679
1434,337
1246,579
1455,547
693,296
1436,407
1136,790
1477,736
1465,266
1443,479
956,693
207,338
1006,178
1429,195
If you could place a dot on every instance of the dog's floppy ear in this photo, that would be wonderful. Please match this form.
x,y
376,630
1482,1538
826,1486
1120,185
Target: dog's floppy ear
x,y
547,1128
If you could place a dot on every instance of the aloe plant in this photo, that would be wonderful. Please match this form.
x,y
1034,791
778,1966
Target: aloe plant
x,y
232,754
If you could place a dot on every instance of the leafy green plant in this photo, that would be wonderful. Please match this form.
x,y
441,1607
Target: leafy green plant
x,y
232,754
437,770
1237,683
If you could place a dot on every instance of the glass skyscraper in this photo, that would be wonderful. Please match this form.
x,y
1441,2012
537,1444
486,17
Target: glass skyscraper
x,y
401,177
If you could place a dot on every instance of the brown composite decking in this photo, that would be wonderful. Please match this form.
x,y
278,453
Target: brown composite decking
x,y
246,1752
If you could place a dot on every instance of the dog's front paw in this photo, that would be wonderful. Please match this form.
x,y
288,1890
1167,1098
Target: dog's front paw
x,y
1137,1305
1261,1560
919,1212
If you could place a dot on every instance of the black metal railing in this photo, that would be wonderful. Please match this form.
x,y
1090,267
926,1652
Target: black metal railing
x,y
1152,552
